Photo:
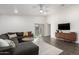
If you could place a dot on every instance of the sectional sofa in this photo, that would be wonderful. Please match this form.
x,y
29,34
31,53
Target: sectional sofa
x,y
21,47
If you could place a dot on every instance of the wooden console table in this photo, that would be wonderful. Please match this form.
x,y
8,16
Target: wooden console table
x,y
70,37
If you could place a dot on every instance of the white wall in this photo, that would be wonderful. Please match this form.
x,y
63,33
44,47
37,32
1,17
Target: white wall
x,y
68,14
19,23
53,21
46,27
46,30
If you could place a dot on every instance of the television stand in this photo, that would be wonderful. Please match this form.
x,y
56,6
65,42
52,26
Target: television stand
x,y
70,37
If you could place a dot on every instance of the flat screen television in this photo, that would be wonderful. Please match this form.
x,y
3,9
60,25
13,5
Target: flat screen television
x,y
64,26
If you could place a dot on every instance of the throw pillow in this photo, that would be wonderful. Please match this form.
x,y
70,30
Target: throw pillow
x,y
25,34
10,42
12,36
3,43
29,34
19,33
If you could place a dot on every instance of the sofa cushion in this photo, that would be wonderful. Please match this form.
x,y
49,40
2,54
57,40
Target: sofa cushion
x,y
26,48
11,33
19,36
3,43
19,33
12,36
15,40
4,36
11,43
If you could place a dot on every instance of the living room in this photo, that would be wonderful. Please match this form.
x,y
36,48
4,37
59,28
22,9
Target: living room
x,y
36,25
20,25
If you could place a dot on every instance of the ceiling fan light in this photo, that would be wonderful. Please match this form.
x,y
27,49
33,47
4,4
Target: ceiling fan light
x,y
41,11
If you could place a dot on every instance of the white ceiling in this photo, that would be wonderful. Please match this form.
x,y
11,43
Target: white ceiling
x,y
29,9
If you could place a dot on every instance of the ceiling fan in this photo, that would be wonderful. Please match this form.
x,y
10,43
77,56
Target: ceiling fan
x,y
42,9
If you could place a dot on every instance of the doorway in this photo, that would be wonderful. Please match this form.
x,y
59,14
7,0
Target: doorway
x,y
42,29
39,29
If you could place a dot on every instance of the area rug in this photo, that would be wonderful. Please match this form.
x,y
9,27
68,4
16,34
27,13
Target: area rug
x,y
45,48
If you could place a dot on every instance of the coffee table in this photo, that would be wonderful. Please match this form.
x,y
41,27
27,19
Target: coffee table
x,y
28,39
